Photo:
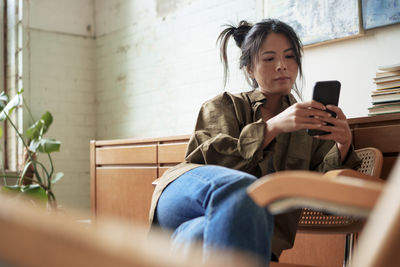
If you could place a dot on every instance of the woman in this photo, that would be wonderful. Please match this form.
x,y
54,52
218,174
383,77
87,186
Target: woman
x,y
241,137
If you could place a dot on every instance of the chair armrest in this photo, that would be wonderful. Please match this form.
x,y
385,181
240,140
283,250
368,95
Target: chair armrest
x,y
287,190
354,174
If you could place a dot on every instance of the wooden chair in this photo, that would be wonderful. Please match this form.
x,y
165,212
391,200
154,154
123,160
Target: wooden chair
x,y
379,202
313,223
379,243
32,237
319,222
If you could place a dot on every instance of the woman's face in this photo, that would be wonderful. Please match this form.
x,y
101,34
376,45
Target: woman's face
x,y
275,68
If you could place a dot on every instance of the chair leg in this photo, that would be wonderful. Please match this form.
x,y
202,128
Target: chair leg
x,y
348,250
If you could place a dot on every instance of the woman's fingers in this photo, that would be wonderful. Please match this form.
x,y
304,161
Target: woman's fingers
x,y
313,104
337,126
308,115
338,111
340,132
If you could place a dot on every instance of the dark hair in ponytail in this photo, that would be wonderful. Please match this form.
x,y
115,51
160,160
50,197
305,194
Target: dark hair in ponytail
x,y
249,38
239,34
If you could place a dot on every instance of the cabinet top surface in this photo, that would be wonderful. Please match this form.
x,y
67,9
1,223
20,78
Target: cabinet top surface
x,y
134,141
387,118
377,118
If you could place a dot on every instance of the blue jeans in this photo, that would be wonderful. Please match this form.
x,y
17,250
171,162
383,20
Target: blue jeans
x,y
210,204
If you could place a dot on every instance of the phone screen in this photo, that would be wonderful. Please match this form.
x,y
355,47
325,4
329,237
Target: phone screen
x,y
327,93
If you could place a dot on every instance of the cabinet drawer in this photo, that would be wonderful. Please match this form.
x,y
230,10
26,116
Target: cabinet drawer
x,y
171,153
385,138
124,192
115,155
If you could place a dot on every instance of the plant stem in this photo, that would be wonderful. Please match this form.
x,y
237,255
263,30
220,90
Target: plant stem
x,y
28,108
23,141
3,175
27,164
37,182
52,199
51,171
43,168
18,133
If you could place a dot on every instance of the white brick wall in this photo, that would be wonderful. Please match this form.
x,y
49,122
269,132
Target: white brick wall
x,y
59,76
154,71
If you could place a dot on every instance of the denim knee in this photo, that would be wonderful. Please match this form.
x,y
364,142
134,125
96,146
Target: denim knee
x,y
188,196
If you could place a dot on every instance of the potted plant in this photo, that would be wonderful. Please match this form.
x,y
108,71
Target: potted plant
x,y
35,178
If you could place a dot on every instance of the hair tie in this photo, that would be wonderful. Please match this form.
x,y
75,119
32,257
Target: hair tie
x,y
240,32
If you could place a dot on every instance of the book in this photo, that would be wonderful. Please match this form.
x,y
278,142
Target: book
x,y
388,85
382,74
393,67
385,91
379,80
384,109
385,98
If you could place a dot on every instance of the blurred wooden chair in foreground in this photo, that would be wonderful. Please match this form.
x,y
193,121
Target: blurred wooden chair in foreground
x,y
322,237
32,237
378,202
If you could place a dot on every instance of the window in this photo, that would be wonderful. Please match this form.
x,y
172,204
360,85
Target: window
x,y
12,78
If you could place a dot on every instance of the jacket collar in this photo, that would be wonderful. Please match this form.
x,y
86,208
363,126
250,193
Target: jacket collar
x,y
256,96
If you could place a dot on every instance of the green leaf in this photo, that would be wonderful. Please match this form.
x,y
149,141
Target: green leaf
x,y
47,118
45,145
57,177
32,191
8,109
11,188
35,191
39,128
33,132
3,100
3,97
26,167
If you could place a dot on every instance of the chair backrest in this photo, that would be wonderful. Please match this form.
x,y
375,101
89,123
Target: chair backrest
x,y
32,237
372,160
379,244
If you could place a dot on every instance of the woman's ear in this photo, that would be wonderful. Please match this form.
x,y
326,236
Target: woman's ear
x,y
249,70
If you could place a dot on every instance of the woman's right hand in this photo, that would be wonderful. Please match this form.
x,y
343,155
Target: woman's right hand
x,y
306,115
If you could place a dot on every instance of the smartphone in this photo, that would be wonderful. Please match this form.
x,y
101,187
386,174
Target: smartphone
x,y
327,93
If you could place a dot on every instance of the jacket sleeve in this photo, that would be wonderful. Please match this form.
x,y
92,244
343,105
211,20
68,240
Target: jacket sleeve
x,y
327,157
224,135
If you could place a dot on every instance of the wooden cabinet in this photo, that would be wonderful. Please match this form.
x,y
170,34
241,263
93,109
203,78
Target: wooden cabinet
x,y
122,171
120,189
382,132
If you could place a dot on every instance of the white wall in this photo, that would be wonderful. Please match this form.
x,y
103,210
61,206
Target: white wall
x,y
157,62
59,76
354,62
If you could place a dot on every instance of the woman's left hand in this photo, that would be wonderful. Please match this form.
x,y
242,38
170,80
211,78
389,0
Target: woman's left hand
x,y
339,131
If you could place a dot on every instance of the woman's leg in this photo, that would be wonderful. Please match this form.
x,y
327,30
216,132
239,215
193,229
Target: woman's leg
x,y
210,204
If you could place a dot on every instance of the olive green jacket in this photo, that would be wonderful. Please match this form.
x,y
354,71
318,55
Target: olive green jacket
x,y
230,132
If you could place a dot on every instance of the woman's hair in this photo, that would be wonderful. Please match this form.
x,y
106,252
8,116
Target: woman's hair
x,y
249,38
